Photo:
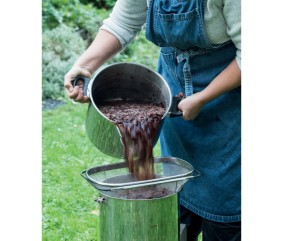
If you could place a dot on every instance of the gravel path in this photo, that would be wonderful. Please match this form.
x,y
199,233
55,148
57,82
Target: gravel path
x,y
51,104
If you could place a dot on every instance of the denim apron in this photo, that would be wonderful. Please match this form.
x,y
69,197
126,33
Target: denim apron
x,y
212,141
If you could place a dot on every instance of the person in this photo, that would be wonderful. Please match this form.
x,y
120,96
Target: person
x,y
200,56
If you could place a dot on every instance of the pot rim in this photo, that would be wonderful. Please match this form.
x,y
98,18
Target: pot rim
x,y
127,63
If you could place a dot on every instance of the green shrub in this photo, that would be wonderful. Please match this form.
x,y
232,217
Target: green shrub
x,y
84,18
60,49
51,15
107,4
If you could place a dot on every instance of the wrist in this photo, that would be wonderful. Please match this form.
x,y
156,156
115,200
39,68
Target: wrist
x,y
82,70
202,97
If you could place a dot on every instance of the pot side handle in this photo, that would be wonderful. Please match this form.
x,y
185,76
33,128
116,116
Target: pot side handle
x,y
85,83
174,111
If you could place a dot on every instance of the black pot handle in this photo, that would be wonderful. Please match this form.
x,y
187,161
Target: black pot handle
x,y
85,80
174,110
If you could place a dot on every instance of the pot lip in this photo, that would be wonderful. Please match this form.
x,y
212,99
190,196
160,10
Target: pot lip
x,y
139,199
102,68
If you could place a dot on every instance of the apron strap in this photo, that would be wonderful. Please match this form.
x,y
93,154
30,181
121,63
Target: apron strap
x,y
186,72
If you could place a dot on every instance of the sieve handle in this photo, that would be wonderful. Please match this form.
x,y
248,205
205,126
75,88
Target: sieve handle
x,y
83,174
194,176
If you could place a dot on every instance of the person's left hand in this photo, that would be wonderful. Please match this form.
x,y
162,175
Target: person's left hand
x,y
191,106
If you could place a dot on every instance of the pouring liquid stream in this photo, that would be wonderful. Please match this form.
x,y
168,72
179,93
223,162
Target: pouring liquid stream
x,y
138,123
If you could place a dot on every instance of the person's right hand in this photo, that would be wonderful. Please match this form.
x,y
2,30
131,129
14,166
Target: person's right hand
x,y
76,93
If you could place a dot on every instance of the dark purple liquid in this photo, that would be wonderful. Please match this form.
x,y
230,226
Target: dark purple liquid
x,y
138,124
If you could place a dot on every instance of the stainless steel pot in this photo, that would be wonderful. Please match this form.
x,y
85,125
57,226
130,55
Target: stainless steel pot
x,y
122,81
151,205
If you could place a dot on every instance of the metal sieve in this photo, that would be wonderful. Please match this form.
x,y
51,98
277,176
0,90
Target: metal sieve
x,y
114,179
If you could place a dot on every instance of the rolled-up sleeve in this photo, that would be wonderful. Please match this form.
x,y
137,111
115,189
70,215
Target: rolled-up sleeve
x,y
232,14
126,20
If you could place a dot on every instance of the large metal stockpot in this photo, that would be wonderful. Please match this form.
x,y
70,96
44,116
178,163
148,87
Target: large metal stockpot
x,y
122,81
132,210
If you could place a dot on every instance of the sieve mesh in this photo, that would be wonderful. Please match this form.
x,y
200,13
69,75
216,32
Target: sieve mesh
x,y
115,180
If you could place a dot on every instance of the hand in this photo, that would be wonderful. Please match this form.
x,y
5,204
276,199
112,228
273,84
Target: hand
x,y
76,93
191,106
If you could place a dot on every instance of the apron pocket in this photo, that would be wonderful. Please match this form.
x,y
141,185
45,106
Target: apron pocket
x,y
179,30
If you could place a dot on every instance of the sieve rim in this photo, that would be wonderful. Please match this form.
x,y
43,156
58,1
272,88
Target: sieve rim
x,y
159,180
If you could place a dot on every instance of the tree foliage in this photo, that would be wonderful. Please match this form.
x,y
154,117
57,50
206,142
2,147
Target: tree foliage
x,y
61,47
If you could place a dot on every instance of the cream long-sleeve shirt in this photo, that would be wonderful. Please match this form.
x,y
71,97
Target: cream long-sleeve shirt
x,y
222,21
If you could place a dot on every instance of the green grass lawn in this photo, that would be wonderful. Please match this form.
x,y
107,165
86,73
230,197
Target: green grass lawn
x,y
67,198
